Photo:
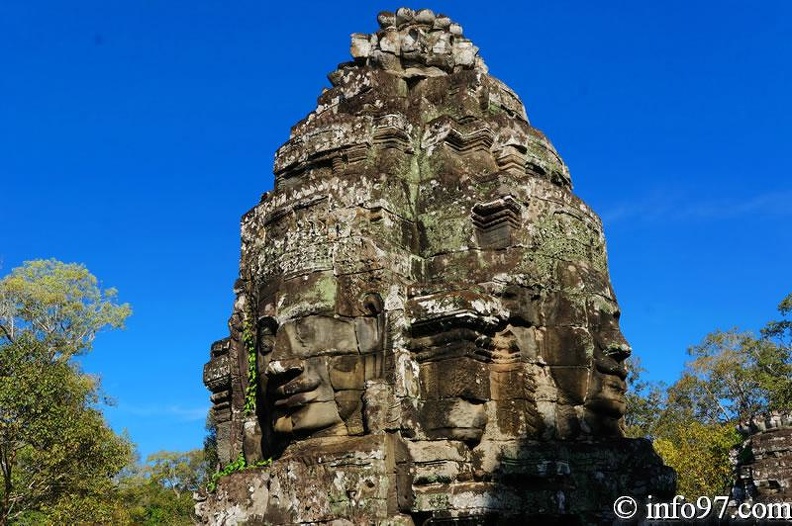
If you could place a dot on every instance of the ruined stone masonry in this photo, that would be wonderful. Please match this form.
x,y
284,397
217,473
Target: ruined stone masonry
x,y
424,329
764,463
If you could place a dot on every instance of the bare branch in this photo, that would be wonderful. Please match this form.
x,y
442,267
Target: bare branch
x,y
7,333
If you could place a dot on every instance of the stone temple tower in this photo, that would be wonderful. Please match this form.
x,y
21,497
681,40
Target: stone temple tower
x,y
425,331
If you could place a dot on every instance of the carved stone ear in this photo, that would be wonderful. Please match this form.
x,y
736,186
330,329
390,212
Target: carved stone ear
x,y
267,327
372,304
370,328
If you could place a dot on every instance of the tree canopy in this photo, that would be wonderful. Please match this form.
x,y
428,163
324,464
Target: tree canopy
x,y
732,376
159,492
60,305
57,454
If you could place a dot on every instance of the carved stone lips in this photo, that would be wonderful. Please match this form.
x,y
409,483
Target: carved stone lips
x,y
609,402
298,399
611,367
297,392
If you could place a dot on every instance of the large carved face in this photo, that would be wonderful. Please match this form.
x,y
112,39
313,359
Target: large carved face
x,y
474,368
605,397
316,373
299,381
528,344
585,351
452,360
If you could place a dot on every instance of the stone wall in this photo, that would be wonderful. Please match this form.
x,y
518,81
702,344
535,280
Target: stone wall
x,y
764,464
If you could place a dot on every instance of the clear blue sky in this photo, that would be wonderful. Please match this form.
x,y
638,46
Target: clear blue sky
x,y
134,134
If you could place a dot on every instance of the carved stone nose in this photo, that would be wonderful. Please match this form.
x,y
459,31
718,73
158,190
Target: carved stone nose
x,y
618,351
282,367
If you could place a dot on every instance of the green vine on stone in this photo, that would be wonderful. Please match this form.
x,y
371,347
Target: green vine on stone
x,y
252,374
237,465
240,464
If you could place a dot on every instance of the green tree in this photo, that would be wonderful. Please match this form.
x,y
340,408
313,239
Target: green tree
x,y
179,473
159,492
735,375
727,379
774,361
697,448
699,453
210,444
732,375
58,457
645,401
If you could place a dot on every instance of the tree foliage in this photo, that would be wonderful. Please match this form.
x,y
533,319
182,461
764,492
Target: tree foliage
x,y
734,375
645,401
60,305
699,453
159,492
58,457
731,376
210,444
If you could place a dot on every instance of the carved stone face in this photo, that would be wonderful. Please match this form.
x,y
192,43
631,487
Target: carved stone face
x,y
471,368
316,373
590,367
305,354
605,396
454,384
